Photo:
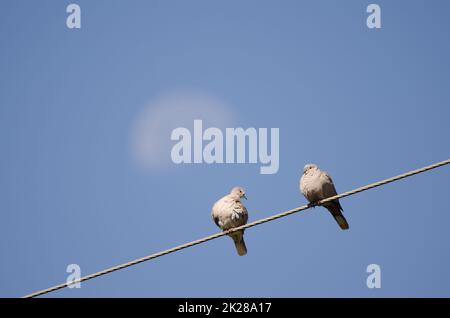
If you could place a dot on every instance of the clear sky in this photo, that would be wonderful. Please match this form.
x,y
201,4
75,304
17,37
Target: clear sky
x,y
85,169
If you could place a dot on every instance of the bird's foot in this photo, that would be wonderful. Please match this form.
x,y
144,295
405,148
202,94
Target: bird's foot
x,y
312,204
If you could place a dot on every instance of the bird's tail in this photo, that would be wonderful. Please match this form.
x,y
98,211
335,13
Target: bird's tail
x,y
238,239
335,210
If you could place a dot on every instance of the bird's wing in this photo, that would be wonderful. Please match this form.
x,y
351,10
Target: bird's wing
x,y
241,210
328,186
329,190
216,220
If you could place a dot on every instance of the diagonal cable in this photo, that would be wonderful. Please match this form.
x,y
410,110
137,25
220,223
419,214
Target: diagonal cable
x,y
246,226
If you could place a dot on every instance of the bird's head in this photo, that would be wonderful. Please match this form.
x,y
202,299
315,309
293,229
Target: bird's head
x,y
238,193
308,167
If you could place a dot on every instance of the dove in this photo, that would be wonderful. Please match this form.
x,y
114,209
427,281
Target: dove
x,y
317,185
229,212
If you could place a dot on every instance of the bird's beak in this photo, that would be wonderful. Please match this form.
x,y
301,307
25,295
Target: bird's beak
x,y
244,197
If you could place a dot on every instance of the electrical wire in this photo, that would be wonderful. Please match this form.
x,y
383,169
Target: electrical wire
x,y
246,226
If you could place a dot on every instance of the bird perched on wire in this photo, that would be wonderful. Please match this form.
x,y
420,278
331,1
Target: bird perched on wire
x,y
317,185
229,212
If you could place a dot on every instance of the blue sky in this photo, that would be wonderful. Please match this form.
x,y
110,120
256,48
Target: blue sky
x,y
362,104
